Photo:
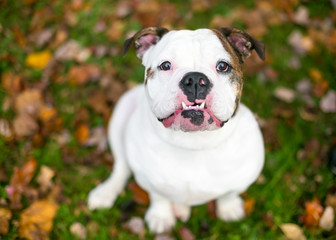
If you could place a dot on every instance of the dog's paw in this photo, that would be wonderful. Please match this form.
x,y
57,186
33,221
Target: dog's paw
x,y
231,209
181,212
159,219
101,196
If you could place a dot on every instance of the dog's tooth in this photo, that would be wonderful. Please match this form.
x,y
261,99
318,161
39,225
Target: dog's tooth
x,y
184,106
202,105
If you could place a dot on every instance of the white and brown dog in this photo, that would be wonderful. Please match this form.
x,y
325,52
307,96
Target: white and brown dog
x,y
184,133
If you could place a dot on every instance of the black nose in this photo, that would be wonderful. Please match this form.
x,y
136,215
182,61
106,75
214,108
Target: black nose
x,y
195,85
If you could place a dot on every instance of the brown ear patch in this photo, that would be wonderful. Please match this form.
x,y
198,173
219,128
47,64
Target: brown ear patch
x,y
144,39
242,43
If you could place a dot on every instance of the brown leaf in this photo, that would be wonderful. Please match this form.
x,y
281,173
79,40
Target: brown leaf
x,y
37,220
136,226
148,12
19,182
284,94
29,102
44,178
5,130
5,216
211,209
11,83
312,214
219,21
292,231
47,113
24,125
249,206
79,75
140,196
186,234
97,138
116,31
98,102
78,230
328,102
82,133
331,201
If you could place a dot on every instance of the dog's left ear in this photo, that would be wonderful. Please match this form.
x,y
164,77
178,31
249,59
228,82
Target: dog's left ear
x,y
243,43
144,39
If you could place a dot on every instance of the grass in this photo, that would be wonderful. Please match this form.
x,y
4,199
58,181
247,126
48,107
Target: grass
x,y
283,192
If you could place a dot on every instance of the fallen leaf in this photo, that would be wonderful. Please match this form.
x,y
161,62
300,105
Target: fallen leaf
x,y
79,75
92,228
29,102
301,16
211,209
44,178
186,234
24,125
292,231
331,201
11,82
37,220
163,236
219,21
284,94
148,12
312,214
47,113
115,31
19,181
327,219
136,226
5,216
82,133
5,130
38,60
97,138
140,196
249,206
78,230
68,51
328,102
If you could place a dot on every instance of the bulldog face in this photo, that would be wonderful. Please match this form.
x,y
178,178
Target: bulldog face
x,y
193,79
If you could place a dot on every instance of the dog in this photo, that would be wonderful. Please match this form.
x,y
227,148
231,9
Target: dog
x,y
183,133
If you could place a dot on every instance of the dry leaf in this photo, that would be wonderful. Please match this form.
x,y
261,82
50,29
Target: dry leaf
x,y
37,220
135,225
29,102
115,32
163,236
38,60
302,16
148,12
47,113
11,83
292,231
5,216
284,94
331,201
140,196
249,206
313,213
24,125
327,219
68,51
5,130
78,230
328,102
44,178
81,74
97,138
82,133
186,234
19,181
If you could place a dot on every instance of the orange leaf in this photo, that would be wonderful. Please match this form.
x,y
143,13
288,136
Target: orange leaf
x,y
37,220
249,206
5,216
139,195
82,133
38,60
47,113
313,213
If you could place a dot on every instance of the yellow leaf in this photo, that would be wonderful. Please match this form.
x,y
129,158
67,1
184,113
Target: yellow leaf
x,y
38,60
5,216
82,133
292,231
37,220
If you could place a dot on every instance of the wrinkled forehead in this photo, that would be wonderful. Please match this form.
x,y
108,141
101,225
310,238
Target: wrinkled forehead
x,y
188,46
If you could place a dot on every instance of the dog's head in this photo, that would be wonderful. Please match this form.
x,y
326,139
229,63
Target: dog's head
x,y
193,79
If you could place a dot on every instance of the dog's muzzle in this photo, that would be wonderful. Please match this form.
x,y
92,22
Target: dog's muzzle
x,y
195,85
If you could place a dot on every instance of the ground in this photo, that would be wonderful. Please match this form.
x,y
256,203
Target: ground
x,y
62,72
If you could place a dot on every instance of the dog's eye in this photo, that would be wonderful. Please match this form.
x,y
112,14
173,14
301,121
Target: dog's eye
x,y
222,67
165,66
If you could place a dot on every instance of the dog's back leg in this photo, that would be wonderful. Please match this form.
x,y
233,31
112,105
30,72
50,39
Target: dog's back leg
x,y
104,195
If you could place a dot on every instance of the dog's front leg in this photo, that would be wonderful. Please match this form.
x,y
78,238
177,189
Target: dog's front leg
x,y
159,216
104,195
230,207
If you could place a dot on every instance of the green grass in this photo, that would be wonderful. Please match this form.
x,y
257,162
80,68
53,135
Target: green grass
x,y
283,193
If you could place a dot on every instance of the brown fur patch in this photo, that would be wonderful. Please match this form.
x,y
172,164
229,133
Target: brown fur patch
x,y
149,74
236,75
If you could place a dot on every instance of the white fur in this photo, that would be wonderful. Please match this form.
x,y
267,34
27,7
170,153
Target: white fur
x,y
181,169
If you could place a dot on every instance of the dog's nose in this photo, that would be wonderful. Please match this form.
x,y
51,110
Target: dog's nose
x,y
195,85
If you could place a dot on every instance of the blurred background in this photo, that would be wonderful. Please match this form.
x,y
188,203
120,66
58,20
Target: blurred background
x,y
62,72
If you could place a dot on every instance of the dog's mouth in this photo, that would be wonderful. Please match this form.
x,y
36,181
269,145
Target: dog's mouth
x,y
192,117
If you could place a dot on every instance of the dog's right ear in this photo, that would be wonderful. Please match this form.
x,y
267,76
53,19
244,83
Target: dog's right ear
x,y
144,39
